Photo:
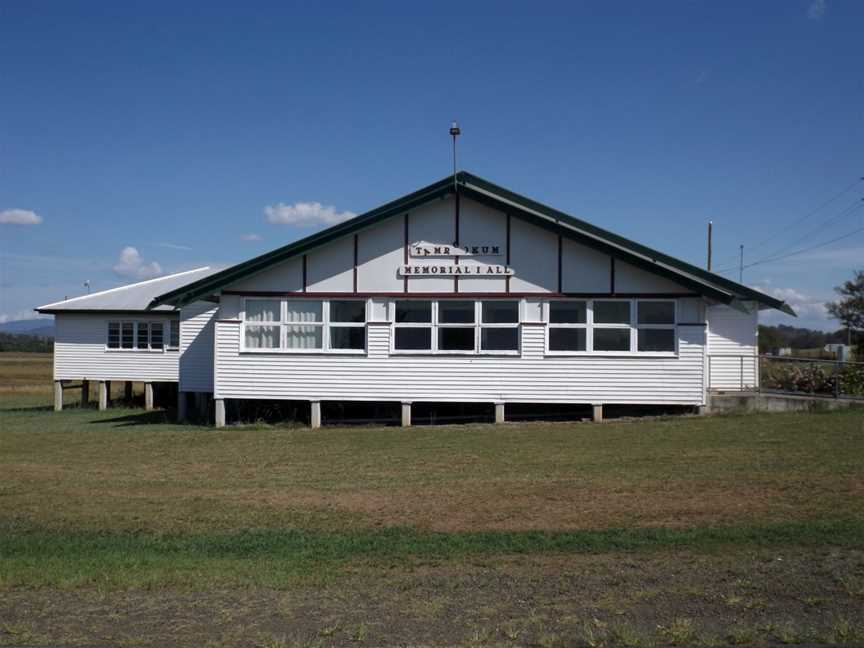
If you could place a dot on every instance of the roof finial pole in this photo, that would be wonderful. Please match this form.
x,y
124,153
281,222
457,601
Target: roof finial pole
x,y
710,228
455,132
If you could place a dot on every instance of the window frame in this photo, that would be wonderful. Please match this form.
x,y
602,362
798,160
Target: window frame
x,y
546,314
673,326
136,326
435,325
324,325
590,326
168,345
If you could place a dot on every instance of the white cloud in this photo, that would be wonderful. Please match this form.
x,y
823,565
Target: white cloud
x,y
174,246
817,9
807,307
19,217
250,237
130,264
305,214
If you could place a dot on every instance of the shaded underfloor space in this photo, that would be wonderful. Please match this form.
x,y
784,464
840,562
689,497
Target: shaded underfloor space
x,y
389,413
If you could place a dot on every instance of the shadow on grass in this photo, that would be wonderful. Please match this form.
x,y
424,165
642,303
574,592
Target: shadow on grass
x,y
157,417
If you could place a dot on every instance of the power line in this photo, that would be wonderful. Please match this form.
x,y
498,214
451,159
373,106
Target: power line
x,y
848,210
811,212
796,252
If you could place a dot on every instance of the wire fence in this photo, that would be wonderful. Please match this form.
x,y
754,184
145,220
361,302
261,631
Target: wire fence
x,y
787,375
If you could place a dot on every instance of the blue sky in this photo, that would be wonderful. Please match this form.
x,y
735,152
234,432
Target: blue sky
x,y
182,130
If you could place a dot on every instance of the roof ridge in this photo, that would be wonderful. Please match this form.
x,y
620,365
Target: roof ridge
x,y
124,287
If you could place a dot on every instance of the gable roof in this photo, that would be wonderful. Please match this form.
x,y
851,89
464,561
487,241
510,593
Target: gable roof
x,y
136,297
700,281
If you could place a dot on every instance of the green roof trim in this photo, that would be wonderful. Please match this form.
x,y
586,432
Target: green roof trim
x,y
472,186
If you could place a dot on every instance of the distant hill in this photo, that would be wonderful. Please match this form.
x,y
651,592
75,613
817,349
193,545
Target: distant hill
x,y
40,327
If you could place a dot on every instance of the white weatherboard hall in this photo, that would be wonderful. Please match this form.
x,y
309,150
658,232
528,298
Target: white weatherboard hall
x,y
460,292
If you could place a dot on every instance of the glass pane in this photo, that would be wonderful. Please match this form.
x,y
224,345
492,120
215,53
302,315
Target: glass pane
x,y
567,312
263,310
504,312
128,335
348,337
413,339
174,340
611,339
499,339
347,311
141,337
656,339
156,335
612,312
262,337
651,312
114,335
299,336
456,339
566,339
456,312
304,311
413,312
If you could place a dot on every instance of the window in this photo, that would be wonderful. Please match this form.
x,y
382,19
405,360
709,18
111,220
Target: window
x,y
113,335
128,335
568,325
655,326
412,326
261,328
499,326
456,326
304,325
611,325
136,336
174,334
142,335
157,335
348,325
452,336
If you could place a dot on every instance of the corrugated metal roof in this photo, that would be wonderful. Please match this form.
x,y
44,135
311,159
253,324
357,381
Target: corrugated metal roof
x,y
134,297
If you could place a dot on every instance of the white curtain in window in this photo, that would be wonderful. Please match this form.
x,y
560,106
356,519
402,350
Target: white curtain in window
x,y
262,310
303,337
262,337
304,311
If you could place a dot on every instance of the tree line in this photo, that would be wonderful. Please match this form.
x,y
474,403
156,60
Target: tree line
x,y
25,343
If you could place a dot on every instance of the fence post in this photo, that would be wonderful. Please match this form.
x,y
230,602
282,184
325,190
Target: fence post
x,y
741,371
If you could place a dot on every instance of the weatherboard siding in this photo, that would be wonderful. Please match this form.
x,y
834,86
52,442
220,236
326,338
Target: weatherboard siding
x,y
197,324
530,377
80,353
732,348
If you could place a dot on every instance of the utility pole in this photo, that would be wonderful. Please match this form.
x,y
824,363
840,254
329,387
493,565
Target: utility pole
x,y
710,226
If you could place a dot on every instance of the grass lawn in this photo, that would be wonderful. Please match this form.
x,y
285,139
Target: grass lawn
x,y
123,528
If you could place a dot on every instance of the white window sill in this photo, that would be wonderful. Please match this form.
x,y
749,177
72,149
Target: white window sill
x,y
309,352
613,354
460,354
136,350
